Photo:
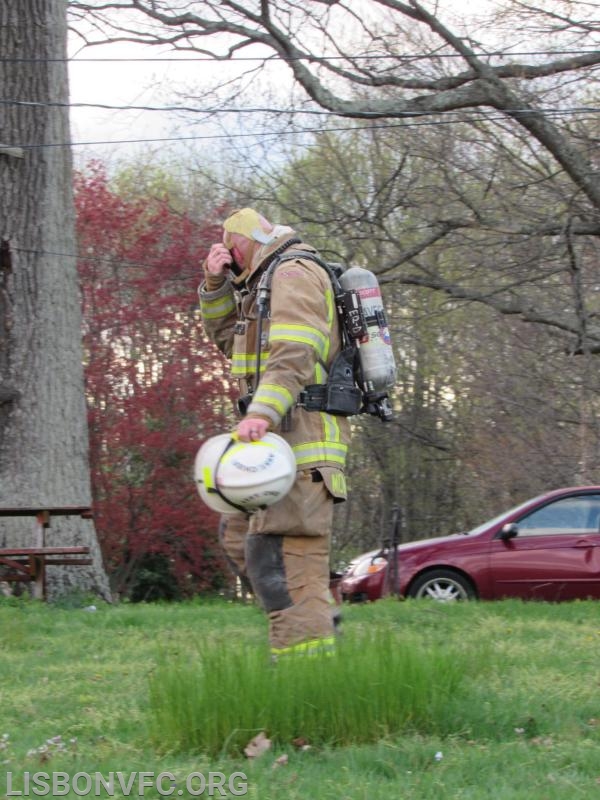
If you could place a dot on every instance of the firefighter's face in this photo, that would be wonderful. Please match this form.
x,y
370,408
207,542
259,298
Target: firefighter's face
x,y
240,248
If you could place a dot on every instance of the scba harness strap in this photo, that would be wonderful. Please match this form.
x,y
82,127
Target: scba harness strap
x,y
339,395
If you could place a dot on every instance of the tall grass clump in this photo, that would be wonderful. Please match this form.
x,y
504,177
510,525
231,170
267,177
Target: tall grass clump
x,y
377,684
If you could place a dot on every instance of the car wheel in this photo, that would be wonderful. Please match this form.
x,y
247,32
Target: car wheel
x,y
442,585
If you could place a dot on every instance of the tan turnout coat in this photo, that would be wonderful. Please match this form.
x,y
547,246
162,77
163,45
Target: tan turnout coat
x,y
299,342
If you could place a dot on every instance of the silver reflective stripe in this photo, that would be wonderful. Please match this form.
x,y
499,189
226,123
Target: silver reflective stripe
x,y
302,334
245,363
334,452
278,397
221,307
331,427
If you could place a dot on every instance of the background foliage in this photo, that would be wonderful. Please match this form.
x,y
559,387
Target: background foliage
x,y
155,388
454,155
489,408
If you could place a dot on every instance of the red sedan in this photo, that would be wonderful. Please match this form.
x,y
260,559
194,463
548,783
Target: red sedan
x,y
547,548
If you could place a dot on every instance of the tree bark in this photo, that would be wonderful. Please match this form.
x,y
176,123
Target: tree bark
x,y
43,423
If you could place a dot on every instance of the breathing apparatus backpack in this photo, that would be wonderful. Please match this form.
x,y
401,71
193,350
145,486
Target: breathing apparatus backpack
x,y
364,371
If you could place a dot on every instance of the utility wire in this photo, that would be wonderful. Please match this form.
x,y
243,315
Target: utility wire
x,y
380,57
259,110
279,134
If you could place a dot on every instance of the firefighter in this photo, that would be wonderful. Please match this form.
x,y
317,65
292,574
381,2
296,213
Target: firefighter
x,y
282,549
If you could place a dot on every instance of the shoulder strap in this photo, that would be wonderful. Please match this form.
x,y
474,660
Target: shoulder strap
x,y
264,287
263,293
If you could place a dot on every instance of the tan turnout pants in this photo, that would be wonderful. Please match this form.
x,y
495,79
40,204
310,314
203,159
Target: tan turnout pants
x,y
284,551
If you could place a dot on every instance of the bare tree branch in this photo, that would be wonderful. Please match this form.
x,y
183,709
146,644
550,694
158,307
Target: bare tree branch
x,y
280,27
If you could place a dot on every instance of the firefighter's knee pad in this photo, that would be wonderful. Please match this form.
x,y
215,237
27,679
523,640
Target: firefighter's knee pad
x,y
266,570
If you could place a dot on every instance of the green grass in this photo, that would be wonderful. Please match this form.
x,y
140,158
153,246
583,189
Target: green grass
x,y
377,684
507,692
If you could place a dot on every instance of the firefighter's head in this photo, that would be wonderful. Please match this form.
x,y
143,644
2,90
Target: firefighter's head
x,y
244,232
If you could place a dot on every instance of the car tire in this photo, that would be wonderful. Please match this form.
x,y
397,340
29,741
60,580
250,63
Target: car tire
x,y
442,585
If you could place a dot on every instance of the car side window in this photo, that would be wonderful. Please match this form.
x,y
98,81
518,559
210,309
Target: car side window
x,y
577,515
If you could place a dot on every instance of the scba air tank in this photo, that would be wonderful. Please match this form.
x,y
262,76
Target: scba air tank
x,y
378,366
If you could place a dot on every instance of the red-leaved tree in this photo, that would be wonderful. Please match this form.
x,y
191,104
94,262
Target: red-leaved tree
x,y
156,388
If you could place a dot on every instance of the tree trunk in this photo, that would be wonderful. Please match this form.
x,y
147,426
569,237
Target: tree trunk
x,y
43,423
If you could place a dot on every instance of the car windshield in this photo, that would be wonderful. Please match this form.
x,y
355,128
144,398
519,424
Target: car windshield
x,y
488,523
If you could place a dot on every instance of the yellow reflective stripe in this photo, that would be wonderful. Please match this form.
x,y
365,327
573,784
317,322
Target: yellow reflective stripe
x,y
338,483
245,363
330,314
320,373
330,306
207,478
221,307
303,334
238,448
273,396
331,427
320,451
313,647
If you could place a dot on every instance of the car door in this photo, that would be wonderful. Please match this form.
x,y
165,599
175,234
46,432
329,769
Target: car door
x,y
555,554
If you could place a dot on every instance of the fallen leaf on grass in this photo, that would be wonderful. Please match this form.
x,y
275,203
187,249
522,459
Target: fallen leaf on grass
x,y
257,746
301,743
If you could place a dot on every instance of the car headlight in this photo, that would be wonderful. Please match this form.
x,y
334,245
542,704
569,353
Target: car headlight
x,y
369,566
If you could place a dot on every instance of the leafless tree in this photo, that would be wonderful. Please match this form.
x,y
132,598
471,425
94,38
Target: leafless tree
x,y
384,63
352,59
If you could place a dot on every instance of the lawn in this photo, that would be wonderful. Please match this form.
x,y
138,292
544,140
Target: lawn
x,y
478,700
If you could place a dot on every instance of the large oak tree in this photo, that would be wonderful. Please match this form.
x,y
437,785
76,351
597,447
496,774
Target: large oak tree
x,y
43,427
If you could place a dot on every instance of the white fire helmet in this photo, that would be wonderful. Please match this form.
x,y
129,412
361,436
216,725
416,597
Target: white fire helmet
x,y
234,476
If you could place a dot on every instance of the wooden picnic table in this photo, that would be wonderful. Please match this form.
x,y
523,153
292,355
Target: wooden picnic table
x,y
28,564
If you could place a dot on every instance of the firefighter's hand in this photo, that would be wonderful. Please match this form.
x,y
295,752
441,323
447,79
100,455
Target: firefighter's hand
x,y
251,429
218,259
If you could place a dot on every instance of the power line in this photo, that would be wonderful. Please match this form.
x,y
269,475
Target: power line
x,y
278,134
257,59
259,110
192,109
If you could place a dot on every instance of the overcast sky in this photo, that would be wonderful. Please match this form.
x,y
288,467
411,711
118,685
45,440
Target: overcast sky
x,y
121,83
94,78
